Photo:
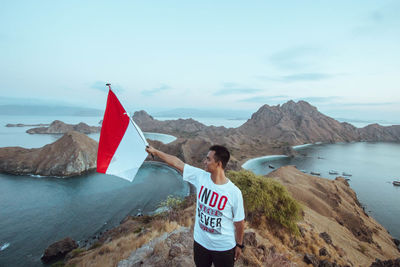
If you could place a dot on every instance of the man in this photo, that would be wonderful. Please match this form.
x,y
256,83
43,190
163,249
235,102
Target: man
x,y
219,223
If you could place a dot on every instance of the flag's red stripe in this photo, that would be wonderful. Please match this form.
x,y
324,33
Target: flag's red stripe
x,y
114,125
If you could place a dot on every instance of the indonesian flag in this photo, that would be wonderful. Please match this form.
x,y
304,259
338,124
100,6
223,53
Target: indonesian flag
x,y
122,144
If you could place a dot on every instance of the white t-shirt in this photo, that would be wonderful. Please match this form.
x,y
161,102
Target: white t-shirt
x,y
218,207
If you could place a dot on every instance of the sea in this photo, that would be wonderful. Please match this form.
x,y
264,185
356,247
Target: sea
x,y
370,168
38,211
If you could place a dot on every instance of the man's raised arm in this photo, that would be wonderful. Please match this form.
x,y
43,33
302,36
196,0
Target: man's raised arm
x,y
167,158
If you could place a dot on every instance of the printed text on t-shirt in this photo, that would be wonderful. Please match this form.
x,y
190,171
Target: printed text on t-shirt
x,y
209,207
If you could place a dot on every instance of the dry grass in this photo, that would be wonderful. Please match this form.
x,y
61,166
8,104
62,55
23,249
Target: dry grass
x,y
278,260
136,232
111,253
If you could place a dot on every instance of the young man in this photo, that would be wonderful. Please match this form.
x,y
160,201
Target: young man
x,y
219,223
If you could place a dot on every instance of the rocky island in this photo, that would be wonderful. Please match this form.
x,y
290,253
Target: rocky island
x,y
73,154
59,127
25,125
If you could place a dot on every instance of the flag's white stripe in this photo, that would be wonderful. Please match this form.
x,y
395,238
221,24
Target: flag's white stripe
x,y
139,132
129,155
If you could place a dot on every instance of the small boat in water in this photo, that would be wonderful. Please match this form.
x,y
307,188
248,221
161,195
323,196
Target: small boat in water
x,y
396,183
346,174
271,166
333,172
316,173
304,171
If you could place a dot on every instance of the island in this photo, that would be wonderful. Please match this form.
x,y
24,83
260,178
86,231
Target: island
x,y
59,127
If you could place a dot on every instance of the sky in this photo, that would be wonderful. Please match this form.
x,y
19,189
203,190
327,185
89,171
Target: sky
x,y
341,56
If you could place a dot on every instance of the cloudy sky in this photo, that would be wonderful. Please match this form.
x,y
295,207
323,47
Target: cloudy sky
x,y
341,56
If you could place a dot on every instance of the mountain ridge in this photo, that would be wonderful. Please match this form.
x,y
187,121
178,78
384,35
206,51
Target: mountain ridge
x,y
270,130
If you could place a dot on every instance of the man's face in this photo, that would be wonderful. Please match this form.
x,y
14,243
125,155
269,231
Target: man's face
x,y
210,163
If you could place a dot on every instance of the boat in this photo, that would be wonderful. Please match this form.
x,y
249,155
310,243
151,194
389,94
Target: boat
x,y
271,166
333,172
346,174
316,173
396,183
304,171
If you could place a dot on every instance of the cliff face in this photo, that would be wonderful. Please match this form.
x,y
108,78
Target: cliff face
x,y
73,154
59,127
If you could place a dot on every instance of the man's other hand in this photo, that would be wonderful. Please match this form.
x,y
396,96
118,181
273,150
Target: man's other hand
x,y
238,252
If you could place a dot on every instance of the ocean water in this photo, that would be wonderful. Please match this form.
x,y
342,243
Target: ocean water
x,y
38,211
373,167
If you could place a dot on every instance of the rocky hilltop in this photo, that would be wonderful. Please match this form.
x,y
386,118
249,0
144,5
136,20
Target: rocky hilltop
x,y
297,123
334,231
59,127
72,154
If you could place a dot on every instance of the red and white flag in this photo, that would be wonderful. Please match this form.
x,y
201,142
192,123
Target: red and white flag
x,y
122,144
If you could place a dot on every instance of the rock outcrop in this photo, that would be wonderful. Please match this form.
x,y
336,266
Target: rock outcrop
x,y
170,249
58,250
59,127
387,263
72,154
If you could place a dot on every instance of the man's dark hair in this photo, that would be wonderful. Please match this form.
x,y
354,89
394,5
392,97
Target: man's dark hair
x,y
221,154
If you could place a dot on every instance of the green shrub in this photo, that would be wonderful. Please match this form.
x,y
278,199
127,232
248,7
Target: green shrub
x,y
58,264
95,245
265,196
362,248
76,252
172,203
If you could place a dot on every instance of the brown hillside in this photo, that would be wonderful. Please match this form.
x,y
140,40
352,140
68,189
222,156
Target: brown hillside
x,y
72,154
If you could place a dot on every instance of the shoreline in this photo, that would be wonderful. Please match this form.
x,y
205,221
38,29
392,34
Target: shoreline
x,y
251,161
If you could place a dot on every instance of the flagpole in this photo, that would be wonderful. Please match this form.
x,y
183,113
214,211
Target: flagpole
x,y
134,124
